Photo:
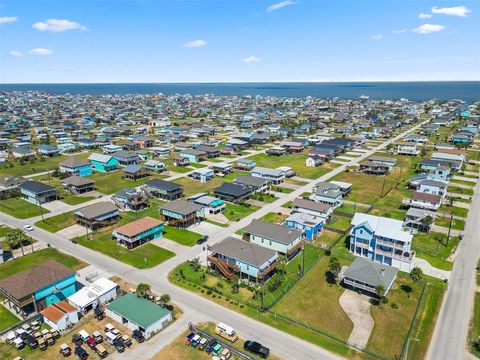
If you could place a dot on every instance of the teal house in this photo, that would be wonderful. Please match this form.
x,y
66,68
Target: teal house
x,y
34,289
103,163
138,232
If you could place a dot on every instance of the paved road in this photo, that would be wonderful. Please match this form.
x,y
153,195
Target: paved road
x,y
450,335
195,307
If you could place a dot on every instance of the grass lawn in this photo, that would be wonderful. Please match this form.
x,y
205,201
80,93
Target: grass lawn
x,y
266,198
191,187
314,300
474,328
4,230
281,189
458,190
7,319
235,212
445,222
20,208
274,218
75,200
454,210
454,182
296,162
57,223
37,166
109,183
136,257
339,222
327,238
197,165
295,182
350,208
181,236
39,257
213,222
433,248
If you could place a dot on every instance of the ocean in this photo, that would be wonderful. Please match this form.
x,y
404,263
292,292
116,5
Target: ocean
x,y
468,91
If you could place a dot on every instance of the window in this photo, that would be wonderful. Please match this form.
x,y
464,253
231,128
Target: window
x,y
270,242
361,231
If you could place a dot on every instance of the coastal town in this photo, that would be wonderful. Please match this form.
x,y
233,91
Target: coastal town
x,y
201,226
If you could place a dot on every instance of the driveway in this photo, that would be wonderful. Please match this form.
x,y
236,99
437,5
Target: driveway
x,y
72,231
430,270
205,228
357,307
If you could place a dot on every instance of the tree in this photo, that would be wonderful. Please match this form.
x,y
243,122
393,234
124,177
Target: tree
x,y
428,221
143,289
380,291
195,262
416,274
165,299
334,267
16,238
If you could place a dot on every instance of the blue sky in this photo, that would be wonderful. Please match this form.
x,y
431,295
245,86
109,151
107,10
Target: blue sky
x,y
54,41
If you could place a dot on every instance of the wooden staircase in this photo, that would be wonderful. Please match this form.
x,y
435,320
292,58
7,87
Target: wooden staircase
x,y
221,267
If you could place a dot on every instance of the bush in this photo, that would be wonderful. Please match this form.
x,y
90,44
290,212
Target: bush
x,y
220,285
328,252
209,292
394,306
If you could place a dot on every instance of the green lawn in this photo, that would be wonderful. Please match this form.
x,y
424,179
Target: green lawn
x,y
57,223
433,248
191,187
182,236
458,190
274,218
109,183
454,210
197,165
153,254
7,319
295,161
235,212
339,222
445,222
282,189
37,166
216,223
266,198
28,261
474,328
20,208
4,230
75,200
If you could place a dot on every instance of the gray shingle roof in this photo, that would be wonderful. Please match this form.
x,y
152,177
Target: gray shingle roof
x,y
181,206
250,180
370,272
77,181
278,233
96,210
73,162
244,251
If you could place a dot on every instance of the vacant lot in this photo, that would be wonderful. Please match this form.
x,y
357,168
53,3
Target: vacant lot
x,y
182,236
274,218
39,257
58,222
191,187
434,248
235,212
110,183
20,208
38,165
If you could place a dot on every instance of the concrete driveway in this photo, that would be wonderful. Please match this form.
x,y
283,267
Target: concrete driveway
x,y
205,228
357,307
72,231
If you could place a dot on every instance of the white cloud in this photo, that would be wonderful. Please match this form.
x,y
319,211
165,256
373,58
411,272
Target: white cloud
x,y
58,25
279,5
250,59
376,37
428,28
453,11
195,44
399,31
8,19
425,16
15,53
40,51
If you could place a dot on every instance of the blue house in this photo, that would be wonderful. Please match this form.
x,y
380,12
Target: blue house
x,y
250,261
193,155
310,225
48,150
37,192
75,166
103,163
138,232
36,288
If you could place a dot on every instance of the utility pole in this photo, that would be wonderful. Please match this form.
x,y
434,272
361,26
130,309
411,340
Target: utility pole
x,y
383,187
449,228
303,259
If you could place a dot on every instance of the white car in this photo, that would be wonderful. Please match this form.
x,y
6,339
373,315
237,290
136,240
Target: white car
x,y
28,227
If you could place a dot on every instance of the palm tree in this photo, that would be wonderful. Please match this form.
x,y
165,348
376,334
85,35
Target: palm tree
x,y
143,289
380,291
195,262
416,274
15,238
428,221
165,299
334,267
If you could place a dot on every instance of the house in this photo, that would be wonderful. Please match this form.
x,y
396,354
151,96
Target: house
x,y
250,261
34,289
163,189
129,199
97,215
22,152
313,161
9,184
314,208
234,193
345,187
181,213
211,204
419,219
257,184
75,166
110,149
382,240
390,162
374,168
103,163
276,151
126,158
455,160
138,232
181,161
325,154
143,141
236,144
193,155
203,175
60,316
274,176
423,201
287,171
245,164
293,146
155,166
48,150
432,187
407,148
284,240
78,184
310,225
436,170
100,292
212,152
137,313
37,192
135,172
366,275
222,169
328,193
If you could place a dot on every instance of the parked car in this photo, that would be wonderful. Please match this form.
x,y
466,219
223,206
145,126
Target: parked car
x,y
99,313
77,339
226,354
189,338
65,350
118,345
256,348
217,349
85,335
126,341
18,343
98,337
202,240
196,340
42,344
138,336
108,327
49,339
55,334
91,342
81,353
203,343
31,341
110,337
101,351
210,345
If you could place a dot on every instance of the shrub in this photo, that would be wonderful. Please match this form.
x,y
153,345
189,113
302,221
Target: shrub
x,y
394,306
209,292
328,252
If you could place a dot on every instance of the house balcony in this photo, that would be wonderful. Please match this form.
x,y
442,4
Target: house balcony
x,y
390,244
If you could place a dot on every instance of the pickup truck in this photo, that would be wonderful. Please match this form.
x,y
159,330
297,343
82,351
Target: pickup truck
x,y
256,348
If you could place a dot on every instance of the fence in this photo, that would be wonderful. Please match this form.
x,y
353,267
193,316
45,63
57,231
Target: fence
x,y
232,349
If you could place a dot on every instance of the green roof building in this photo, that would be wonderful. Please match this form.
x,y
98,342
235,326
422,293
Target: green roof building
x,y
136,312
